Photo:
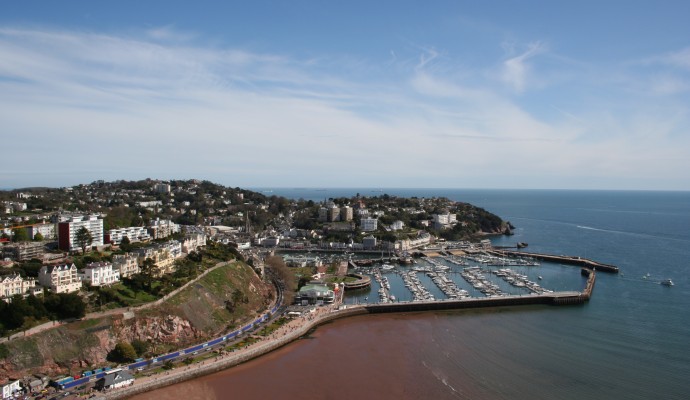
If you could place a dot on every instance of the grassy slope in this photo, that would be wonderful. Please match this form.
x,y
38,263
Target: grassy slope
x,y
202,303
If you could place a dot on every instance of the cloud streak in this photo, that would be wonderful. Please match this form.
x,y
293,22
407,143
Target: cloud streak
x,y
90,106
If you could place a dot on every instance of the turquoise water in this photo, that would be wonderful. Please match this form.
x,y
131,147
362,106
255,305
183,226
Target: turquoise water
x,y
631,341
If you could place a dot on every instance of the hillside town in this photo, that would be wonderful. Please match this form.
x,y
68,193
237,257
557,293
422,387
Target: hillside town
x,y
64,250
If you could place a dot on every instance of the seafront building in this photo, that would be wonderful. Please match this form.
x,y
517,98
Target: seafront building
x,y
100,274
315,293
68,228
60,278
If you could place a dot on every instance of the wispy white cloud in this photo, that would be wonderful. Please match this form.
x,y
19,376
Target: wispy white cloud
x,y
515,70
94,106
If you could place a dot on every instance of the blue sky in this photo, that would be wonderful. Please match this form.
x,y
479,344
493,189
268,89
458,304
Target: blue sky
x,y
534,94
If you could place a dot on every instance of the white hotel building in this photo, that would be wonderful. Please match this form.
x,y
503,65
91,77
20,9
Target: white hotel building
x,y
100,274
60,278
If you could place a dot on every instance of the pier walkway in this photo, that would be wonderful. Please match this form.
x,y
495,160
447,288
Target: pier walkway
x,y
572,260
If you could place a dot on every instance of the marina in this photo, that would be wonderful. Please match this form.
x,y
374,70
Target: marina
x,y
449,277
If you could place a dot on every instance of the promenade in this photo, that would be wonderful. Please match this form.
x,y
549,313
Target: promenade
x,y
287,333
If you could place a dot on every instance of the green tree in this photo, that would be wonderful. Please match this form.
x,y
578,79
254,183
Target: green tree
x,y
149,270
125,244
38,237
123,352
64,305
20,235
140,346
83,239
4,352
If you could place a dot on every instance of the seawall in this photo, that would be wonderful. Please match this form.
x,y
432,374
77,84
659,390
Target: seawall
x,y
224,362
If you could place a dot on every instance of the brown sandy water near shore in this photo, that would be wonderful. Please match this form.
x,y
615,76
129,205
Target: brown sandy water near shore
x,y
401,356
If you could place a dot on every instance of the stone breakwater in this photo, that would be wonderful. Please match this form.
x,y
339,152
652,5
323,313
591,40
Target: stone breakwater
x,y
230,360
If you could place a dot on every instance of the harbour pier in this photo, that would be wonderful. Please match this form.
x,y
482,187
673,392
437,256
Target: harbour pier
x,y
571,260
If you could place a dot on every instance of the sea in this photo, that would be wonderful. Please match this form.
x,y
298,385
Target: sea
x,y
630,341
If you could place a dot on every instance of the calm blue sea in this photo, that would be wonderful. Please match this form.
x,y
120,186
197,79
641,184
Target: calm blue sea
x,y
631,341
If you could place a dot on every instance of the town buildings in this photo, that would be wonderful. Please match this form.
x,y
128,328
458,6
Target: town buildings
x,y
60,278
68,228
369,224
100,274
47,230
369,242
11,285
11,390
23,251
442,221
161,229
346,213
126,264
133,233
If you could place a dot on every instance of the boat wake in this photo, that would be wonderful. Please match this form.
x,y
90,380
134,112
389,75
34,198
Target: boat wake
x,y
589,228
441,378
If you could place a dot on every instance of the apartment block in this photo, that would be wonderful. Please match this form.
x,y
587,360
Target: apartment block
x,y
67,231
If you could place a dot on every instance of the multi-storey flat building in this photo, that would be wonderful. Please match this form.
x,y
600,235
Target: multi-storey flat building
x,y
67,231
160,229
11,285
163,255
46,230
369,224
100,274
23,251
133,233
60,278
126,264
162,188
442,221
346,213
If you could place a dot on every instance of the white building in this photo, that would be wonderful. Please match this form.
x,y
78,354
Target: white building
x,y
369,242
133,233
100,274
397,226
60,278
126,264
12,390
193,241
161,229
67,231
445,219
369,224
11,285
46,230
150,203
162,188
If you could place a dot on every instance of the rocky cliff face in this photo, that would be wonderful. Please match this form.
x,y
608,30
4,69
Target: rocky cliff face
x,y
165,330
69,352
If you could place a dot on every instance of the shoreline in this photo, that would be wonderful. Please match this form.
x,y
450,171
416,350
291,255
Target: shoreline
x,y
286,334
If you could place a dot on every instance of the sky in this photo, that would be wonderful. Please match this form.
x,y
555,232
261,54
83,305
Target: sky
x,y
443,94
